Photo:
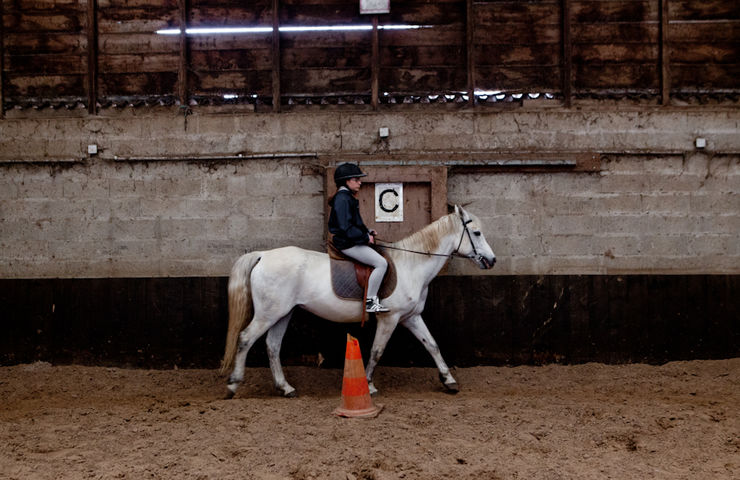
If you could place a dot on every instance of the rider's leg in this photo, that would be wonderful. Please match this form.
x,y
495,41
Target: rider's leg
x,y
368,256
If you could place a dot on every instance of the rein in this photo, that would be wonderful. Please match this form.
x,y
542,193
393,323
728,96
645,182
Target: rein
x,y
414,251
430,254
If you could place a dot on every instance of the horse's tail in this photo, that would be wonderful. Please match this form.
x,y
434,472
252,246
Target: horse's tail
x,y
240,304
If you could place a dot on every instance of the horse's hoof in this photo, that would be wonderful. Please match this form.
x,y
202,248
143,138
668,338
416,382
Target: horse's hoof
x,y
288,392
231,391
452,388
451,385
372,389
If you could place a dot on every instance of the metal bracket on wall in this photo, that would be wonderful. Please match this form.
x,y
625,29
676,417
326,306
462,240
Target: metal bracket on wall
x,y
532,163
488,161
41,160
215,158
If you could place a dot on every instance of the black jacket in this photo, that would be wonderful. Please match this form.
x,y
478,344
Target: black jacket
x,y
345,223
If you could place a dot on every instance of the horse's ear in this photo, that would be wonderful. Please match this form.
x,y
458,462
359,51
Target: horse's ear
x,y
458,209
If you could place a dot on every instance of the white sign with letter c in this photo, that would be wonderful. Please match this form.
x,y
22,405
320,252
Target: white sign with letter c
x,y
389,202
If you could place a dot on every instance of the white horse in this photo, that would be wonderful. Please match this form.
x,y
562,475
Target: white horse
x,y
266,286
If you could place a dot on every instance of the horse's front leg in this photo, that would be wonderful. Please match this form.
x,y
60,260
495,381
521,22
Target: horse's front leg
x,y
419,329
274,341
383,331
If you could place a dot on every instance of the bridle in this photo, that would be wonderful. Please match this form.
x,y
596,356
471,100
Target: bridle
x,y
475,255
455,253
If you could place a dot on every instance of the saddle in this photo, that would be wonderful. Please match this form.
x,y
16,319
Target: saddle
x,y
349,277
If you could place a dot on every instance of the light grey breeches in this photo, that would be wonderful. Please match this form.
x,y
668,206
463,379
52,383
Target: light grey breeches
x,y
368,256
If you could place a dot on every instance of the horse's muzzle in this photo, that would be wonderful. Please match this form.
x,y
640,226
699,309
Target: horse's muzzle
x,y
485,263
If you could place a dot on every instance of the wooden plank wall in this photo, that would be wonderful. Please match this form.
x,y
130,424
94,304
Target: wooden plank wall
x,y
615,45
133,60
592,47
704,44
517,45
428,60
319,63
230,64
477,320
45,49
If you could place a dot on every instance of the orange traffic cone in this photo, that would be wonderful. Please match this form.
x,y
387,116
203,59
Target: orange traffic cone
x,y
356,401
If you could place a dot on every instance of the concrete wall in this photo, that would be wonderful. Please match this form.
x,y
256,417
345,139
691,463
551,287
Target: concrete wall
x,y
657,206
647,214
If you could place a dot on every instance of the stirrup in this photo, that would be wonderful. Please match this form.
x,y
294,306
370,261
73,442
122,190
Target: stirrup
x,y
372,305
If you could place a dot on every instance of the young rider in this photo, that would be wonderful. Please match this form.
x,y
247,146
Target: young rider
x,y
350,235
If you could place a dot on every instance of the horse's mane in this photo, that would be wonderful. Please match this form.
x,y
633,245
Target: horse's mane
x,y
428,238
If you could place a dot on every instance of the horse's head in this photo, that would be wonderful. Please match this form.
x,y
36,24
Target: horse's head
x,y
472,242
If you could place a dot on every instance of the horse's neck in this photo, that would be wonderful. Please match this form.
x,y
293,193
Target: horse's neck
x,y
427,267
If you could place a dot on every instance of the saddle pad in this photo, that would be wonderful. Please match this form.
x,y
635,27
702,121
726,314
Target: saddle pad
x,y
344,280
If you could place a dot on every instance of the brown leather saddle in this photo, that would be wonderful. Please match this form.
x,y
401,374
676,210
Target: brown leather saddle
x,y
349,277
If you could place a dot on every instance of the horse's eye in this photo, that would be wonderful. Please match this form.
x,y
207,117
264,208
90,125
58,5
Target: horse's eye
x,y
477,234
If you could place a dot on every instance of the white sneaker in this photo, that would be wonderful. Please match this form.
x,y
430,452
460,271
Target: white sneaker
x,y
372,305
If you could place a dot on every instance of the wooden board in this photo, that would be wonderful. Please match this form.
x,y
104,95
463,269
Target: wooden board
x,y
723,52
142,43
476,320
30,43
620,11
419,81
247,82
125,84
704,10
316,57
46,64
321,81
19,87
536,78
705,77
444,56
623,75
535,54
229,60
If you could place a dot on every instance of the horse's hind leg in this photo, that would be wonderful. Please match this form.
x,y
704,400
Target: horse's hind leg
x,y
419,329
274,341
247,338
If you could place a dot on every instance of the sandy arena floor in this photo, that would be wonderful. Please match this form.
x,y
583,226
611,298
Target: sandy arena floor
x,y
677,421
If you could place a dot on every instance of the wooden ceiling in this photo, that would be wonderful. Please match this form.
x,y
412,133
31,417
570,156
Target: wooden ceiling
x,y
98,52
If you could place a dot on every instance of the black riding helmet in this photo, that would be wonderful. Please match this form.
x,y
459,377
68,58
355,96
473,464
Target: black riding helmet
x,y
346,171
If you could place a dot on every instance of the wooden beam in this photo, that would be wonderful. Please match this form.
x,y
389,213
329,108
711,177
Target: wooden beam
x,y
375,66
470,50
665,72
567,52
276,56
182,73
92,57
